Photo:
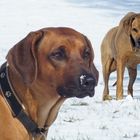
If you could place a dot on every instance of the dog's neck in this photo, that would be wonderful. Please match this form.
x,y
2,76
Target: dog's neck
x,y
41,104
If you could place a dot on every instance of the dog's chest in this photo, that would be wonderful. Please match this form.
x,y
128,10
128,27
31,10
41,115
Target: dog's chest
x,y
136,52
134,57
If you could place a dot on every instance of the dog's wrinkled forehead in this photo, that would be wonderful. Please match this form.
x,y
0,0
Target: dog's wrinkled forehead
x,y
63,30
67,34
63,37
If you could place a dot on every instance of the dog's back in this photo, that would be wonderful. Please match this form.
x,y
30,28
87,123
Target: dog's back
x,y
107,46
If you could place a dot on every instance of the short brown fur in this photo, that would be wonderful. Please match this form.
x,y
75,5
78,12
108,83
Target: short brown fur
x,y
121,48
34,77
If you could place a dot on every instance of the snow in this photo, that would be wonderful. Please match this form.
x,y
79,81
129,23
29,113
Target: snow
x,y
88,118
82,77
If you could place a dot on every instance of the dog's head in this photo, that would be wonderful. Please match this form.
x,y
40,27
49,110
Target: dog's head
x,y
61,58
132,28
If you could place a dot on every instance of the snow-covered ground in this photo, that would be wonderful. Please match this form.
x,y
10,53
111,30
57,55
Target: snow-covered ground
x,y
88,118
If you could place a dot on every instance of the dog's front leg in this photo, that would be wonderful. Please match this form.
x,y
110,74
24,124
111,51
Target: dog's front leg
x,y
132,77
120,73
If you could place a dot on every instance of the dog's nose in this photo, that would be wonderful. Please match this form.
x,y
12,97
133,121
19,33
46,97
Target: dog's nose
x,y
87,82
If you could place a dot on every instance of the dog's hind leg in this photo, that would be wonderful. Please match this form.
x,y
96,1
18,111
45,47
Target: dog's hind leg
x,y
132,77
108,67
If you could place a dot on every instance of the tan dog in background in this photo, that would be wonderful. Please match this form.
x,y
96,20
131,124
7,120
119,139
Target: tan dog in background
x,y
45,68
121,48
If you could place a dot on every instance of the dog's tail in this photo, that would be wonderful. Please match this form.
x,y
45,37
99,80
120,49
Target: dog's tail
x,y
114,84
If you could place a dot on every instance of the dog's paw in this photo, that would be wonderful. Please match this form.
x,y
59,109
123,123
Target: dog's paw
x,y
107,97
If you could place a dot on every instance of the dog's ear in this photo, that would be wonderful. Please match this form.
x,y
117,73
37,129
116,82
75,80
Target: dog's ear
x,y
22,57
93,69
127,22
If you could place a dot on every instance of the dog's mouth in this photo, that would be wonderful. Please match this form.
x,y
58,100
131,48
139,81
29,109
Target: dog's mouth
x,y
80,87
69,92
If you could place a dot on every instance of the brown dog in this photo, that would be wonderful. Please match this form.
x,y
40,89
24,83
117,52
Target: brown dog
x,y
45,68
121,48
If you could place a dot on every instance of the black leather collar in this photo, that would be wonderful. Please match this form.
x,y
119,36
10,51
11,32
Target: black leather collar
x,y
15,104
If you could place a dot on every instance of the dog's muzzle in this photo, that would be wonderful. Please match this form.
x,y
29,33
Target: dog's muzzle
x,y
82,87
138,42
135,42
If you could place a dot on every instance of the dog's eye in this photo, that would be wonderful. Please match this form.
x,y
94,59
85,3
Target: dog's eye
x,y
135,30
86,54
58,54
